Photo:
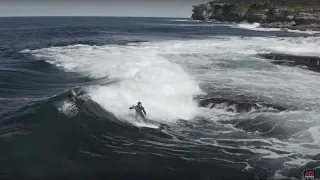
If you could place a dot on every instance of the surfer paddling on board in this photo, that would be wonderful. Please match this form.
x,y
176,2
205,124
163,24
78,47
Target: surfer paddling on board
x,y
139,111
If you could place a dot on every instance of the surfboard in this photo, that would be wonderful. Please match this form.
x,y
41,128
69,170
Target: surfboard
x,y
147,125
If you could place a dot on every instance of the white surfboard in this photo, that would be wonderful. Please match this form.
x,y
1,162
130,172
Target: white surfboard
x,y
148,125
141,123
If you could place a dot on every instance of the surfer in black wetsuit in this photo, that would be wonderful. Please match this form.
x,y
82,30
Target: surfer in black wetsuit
x,y
72,94
139,111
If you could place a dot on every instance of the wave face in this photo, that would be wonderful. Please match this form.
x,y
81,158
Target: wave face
x,y
163,86
214,106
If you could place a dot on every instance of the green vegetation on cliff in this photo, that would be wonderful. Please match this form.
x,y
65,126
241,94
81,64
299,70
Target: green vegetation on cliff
x,y
292,14
292,4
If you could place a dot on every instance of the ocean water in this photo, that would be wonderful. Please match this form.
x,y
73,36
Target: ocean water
x,y
172,66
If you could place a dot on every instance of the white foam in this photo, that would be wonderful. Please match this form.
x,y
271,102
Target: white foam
x,y
164,76
315,133
158,73
248,25
247,166
163,87
68,108
207,24
185,20
256,27
182,20
303,32
254,75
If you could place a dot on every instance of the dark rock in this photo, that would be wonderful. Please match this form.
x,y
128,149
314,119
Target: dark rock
x,y
307,17
257,13
281,25
223,12
237,105
230,110
278,14
199,12
312,62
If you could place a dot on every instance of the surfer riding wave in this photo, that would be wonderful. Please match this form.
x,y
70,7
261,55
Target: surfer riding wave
x,y
140,111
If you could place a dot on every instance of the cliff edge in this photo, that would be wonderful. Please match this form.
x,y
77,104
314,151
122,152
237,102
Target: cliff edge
x,y
291,14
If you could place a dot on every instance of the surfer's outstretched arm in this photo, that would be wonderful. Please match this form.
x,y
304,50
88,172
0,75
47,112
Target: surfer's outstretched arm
x,y
144,111
131,107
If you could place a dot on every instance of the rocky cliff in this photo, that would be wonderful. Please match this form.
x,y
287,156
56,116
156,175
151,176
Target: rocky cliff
x,y
291,14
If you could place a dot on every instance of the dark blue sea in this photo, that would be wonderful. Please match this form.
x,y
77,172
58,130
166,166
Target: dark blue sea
x,y
215,109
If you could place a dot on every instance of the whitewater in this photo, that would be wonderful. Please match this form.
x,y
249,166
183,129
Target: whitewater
x,y
166,76
171,77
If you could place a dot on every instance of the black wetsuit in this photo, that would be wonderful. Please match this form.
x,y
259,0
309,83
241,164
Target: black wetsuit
x,y
139,111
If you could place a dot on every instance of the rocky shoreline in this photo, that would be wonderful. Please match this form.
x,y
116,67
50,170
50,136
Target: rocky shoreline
x,y
268,13
283,14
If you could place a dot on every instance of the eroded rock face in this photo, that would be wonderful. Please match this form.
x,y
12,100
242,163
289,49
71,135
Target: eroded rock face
x,y
307,17
265,13
223,12
280,15
199,12
257,13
